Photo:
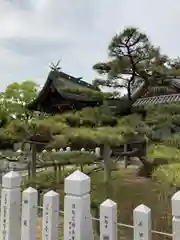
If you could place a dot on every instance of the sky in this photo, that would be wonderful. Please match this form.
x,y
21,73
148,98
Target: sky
x,y
34,33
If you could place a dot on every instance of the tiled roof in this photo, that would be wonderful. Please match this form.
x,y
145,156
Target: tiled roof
x,y
157,100
176,82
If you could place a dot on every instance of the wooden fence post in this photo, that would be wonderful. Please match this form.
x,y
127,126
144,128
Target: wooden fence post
x,y
10,207
142,223
29,213
77,217
108,220
175,201
50,221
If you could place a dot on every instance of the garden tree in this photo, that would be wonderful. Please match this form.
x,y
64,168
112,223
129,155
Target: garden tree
x,y
15,117
103,136
126,130
89,128
44,129
131,53
15,98
91,117
13,111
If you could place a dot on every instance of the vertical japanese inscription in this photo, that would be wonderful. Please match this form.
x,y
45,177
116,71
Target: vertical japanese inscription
x,y
4,219
141,235
73,222
25,220
106,221
46,225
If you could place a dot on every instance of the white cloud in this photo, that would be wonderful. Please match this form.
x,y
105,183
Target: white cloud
x,y
35,32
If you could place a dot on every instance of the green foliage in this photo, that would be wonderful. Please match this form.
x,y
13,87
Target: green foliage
x,y
132,127
164,118
170,153
15,98
81,137
91,117
50,124
73,157
92,94
24,91
131,52
16,129
168,175
163,109
4,136
44,180
96,126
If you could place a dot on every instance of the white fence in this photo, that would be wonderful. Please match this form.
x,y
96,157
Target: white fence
x,y
18,220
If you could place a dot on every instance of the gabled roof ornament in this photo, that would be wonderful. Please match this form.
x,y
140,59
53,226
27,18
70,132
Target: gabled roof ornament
x,y
55,67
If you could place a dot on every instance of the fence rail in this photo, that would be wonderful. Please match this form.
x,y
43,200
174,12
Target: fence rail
x,y
18,220
122,225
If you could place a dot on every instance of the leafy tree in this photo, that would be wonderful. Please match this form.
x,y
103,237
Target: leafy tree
x,y
15,117
15,98
131,53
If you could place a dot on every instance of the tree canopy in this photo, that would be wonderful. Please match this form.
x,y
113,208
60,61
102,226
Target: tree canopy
x,y
15,97
131,52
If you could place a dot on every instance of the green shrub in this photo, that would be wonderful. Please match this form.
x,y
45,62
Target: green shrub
x,y
45,179
168,175
172,154
73,157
